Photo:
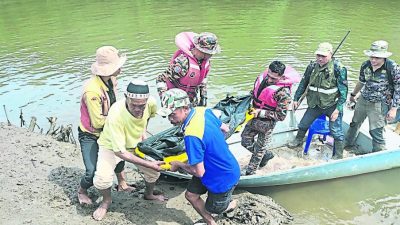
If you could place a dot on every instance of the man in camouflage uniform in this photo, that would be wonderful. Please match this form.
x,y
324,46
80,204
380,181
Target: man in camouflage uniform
x,y
379,82
326,80
265,118
190,65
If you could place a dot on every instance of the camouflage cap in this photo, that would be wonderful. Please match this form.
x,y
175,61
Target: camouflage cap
x,y
378,49
207,43
172,99
324,49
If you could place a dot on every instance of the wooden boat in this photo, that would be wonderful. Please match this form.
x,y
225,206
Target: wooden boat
x,y
328,169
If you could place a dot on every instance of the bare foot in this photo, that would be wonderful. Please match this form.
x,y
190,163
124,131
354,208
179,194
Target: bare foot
x,y
232,205
100,212
159,197
157,192
83,197
126,187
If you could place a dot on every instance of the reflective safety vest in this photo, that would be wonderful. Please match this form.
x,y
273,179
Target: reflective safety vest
x,y
94,85
323,91
196,73
263,97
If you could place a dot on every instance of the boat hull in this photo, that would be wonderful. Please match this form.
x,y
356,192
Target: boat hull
x,y
352,166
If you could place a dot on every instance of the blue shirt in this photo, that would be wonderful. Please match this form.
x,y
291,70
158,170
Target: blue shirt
x,y
205,142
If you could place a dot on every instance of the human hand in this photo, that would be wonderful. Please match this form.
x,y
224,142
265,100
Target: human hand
x,y
224,128
295,105
353,99
391,115
156,165
255,112
334,115
144,136
174,166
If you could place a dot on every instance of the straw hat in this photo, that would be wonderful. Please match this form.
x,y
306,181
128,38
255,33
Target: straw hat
x,y
378,49
107,61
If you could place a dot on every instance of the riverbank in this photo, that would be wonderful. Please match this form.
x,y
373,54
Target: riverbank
x,y
40,176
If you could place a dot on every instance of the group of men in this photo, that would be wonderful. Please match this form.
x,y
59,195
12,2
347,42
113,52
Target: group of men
x,y
326,84
111,129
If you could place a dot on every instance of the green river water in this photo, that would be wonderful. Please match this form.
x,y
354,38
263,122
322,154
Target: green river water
x,y
47,47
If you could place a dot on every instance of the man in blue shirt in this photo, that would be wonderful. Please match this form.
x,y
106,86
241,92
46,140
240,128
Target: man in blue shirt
x,y
214,168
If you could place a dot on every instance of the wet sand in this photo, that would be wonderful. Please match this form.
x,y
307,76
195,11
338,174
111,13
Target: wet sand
x,y
40,177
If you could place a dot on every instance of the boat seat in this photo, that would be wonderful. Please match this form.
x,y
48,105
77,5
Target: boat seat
x,y
319,126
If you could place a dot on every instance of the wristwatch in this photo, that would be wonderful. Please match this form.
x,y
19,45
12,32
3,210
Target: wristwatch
x,y
352,95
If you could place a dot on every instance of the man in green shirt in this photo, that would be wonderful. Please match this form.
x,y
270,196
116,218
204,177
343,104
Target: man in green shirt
x,y
124,127
326,83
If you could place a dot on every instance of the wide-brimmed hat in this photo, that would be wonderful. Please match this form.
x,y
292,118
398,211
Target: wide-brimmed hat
x,y
207,42
172,99
107,61
378,49
324,49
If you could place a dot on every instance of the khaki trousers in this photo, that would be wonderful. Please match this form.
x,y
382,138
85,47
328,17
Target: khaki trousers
x,y
106,163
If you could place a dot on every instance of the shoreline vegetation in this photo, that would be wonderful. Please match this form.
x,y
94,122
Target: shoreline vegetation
x,y
41,176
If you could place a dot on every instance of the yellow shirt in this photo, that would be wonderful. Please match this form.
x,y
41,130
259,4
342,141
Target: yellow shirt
x,y
123,131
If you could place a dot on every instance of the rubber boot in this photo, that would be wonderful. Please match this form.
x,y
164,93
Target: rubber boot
x,y
352,134
253,165
339,146
298,141
378,147
267,156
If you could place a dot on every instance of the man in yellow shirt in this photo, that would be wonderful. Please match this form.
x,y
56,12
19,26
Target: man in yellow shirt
x,y
97,97
124,127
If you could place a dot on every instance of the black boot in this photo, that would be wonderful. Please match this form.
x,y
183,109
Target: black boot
x,y
378,147
267,156
298,141
339,146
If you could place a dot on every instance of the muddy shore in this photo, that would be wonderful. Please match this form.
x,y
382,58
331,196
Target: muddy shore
x,y
39,177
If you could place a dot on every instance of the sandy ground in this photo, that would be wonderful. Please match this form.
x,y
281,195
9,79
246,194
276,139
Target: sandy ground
x,y
39,178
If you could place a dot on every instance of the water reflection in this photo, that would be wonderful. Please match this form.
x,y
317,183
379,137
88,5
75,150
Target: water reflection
x,y
366,199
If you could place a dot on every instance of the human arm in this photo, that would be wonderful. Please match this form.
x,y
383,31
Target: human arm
x,y
152,110
279,114
161,84
195,170
203,92
305,80
391,115
195,151
354,94
129,157
360,83
177,69
343,89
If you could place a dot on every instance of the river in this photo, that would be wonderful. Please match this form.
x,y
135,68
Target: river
x,y
47,47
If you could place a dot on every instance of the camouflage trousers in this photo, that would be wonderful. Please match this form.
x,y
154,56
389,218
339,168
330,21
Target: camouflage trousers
x,y
262,128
